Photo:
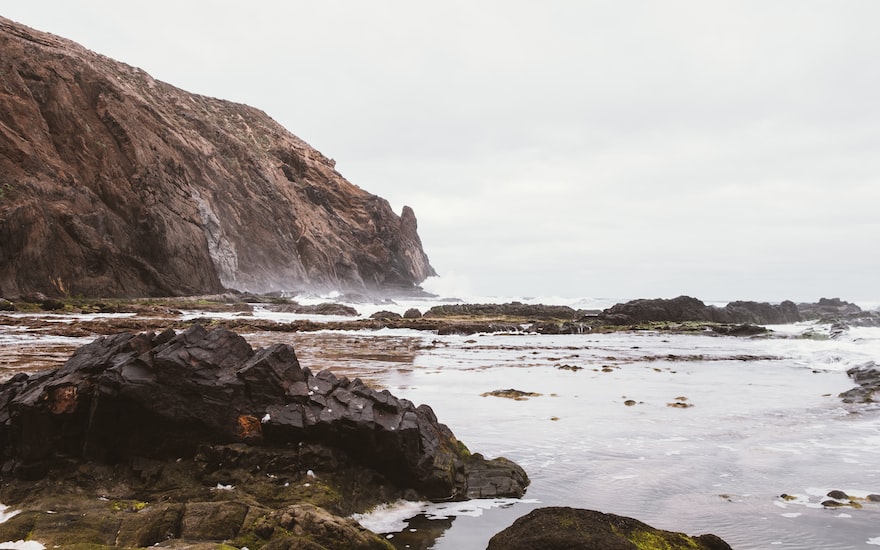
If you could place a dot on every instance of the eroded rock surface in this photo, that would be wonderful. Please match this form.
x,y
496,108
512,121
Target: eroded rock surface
x,y
164,395
116,184
867,376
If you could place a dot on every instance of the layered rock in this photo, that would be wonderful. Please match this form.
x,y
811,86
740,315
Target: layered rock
x,y
115,184
560,528
130,397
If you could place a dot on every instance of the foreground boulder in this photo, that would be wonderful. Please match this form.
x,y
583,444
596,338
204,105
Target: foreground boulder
x,y
559,528
193,439
147,396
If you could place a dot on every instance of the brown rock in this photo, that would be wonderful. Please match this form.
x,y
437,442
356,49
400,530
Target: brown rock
x,y
115,184
559,528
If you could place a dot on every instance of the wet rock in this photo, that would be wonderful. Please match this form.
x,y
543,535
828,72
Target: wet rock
x,y
385,315
828,308
6,305
516,395
686,308
559,528
867,376
412,313
163,396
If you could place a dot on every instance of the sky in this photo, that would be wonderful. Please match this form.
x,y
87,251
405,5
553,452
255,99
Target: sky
x,y
630,149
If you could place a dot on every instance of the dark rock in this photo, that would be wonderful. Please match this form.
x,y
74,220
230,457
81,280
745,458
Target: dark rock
x,y
867,376
558,528
686,308
516,395
828,308
139,188
51,304
385,315
6,305
412,313
837,494
164,396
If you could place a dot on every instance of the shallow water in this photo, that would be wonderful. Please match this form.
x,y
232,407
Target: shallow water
x,y
765,420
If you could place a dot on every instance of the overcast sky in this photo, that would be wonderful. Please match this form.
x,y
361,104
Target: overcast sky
x,y
626,149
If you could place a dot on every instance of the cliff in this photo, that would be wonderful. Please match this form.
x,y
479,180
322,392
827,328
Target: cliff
x,y
116,184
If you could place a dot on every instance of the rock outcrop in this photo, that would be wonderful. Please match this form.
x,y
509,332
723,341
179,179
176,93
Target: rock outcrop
x,y
686,308
145,438
867,376
559,528
115,184
159,396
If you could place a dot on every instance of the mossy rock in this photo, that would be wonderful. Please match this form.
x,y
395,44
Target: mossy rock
x,y
564,528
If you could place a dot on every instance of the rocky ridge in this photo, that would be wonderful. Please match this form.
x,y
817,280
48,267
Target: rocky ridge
x,y
115,184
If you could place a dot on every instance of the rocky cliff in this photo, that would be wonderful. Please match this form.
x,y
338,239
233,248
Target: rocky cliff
x,y
115,184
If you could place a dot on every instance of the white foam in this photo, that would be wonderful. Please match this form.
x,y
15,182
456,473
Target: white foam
x,y
22,545
5,514
392,518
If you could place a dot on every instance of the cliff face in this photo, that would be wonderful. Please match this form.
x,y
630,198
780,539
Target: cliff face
x,y
115,184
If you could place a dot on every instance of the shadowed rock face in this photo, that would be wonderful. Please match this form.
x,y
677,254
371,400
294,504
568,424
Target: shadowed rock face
x,y
115,184
132,396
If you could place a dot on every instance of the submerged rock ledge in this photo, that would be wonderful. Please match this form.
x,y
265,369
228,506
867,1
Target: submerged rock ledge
x,y
161,418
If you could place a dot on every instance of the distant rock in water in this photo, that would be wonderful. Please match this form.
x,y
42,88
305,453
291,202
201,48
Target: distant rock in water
x,y
867,376
686,308
561,528
116,184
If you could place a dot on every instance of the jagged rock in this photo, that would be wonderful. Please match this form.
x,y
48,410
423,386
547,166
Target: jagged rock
x,y
867,376
558,528
116,184
132,396
828,308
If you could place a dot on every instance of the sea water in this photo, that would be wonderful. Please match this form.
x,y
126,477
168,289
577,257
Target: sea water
x,y
694,433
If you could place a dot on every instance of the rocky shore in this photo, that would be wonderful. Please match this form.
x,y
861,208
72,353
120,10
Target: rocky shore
x,y
144,438
173,431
